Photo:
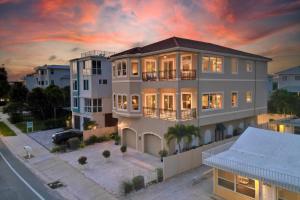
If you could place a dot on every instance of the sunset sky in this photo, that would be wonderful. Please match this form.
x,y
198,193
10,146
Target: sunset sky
x,y
36,32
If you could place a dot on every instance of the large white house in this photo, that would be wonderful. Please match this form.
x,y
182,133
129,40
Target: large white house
x,y
288,79
91,90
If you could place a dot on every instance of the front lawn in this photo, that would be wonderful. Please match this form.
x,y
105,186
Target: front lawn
x,y
5,130
39,125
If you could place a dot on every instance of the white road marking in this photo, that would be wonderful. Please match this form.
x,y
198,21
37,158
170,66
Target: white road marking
x,y
22,179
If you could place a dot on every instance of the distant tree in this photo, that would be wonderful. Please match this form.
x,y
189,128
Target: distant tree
x,y
18,93
55,97
4,86
283,102
66,92
38,103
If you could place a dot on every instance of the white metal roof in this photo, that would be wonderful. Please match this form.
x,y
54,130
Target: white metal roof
x,y
264,155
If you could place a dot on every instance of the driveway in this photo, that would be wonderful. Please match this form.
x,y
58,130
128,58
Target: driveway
x,y
110,175
180,187
44,137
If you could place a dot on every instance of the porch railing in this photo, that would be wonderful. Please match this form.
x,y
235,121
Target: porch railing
x,y
167,114
149,76
187,114
167,74
188,74
150,111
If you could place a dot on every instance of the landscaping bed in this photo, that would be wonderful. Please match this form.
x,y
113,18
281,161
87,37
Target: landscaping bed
x,y
5,130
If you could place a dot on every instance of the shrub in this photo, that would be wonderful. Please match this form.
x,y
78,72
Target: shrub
x,y
127,187
15,118
163,153
106,154
73,143
82,160
138,182
160,175
91,140
82,145
123,148
117,139
54,123
60,148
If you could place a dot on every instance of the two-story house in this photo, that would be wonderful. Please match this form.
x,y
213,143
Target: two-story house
x,y
179,80
288,79
91,89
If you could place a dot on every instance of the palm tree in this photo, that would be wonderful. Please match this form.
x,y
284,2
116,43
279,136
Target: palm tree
x,y
183,133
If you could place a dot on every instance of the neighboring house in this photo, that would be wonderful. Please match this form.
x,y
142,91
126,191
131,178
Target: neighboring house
x,y
288,79
46,75
91,90
260,165
177,80
271,85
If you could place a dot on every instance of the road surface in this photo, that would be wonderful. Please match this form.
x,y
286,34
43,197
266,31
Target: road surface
x,y
17,182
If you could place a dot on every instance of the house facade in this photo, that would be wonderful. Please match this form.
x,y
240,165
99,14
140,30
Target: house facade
x,y
91,96
46,75
189,82
261,165
288,79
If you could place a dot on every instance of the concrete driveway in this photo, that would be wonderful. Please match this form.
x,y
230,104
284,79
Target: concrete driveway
x,y
44,137
110,175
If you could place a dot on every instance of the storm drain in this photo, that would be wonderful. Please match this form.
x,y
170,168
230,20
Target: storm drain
x,y
55,184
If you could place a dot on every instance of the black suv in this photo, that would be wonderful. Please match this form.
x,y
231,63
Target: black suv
x,y
62,137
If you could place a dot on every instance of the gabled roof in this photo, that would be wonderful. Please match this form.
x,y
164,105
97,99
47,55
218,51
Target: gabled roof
x,y
290,71
174,42
264,155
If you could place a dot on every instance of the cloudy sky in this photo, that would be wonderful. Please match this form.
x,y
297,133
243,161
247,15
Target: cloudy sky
x,y
34,32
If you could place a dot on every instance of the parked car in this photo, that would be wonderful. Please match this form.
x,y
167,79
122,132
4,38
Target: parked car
x,y
62,137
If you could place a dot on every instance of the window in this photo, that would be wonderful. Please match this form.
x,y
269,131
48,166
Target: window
x,y
122,102
248,97
226,179
96,67
87,105
245,186
234,65
121,68
75,102
234,99
75,85
52,71
134,68
74,68
42,82
97,105
212,101
85,84
297,78
150,65
135,102
114,101
168,101
52,82
249,66
212,64
186,62
100,81
86,67
104,81
150,100
186,100
284,78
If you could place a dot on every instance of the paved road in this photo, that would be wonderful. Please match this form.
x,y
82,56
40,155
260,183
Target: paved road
x,y
11,185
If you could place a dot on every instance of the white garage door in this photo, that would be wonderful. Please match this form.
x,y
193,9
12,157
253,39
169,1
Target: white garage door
x,y
152,144
129,138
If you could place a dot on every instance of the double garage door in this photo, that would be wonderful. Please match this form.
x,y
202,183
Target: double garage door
x,y
152,143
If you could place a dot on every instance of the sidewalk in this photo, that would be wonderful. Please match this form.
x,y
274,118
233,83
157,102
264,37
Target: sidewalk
x,y
50,167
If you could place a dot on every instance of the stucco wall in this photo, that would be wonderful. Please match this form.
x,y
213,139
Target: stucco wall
x,y
99,132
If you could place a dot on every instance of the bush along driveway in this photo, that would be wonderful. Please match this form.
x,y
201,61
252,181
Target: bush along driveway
x,y
5,130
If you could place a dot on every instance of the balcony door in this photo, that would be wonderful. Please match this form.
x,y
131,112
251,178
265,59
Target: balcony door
x,y
168,103
186,100
150,105
168,69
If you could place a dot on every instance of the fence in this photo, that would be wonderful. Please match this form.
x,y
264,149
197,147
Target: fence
x,y
99,132
182,162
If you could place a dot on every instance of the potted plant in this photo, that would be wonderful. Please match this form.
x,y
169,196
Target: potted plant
x,y
117,139
82,160
123,149
162,153
106,155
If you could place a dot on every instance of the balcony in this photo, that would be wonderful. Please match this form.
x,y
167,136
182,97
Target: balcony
x,y
167,74
188,114
150,111
149,76
167,114
188,74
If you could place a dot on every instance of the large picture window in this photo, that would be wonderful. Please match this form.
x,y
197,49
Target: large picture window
x,y
212,64
212,101
122,102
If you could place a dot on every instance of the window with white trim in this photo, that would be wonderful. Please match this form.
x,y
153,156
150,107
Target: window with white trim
x,y
87,105
212,64
186,62
234,65
121,68
134,68
186,100
75,102
150,65
122,102
86,69
97,105
96,67
135,102
234,99
85,84
249,66
226,179
212,101
248,96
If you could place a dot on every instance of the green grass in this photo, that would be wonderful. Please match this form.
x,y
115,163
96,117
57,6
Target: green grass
x,y
37,126
5,130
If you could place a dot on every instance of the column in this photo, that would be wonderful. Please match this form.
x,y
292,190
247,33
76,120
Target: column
x,y
157,67
158,102
178,65
178,104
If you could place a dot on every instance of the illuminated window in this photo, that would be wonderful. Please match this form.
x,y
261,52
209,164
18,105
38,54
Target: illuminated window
x,y
245,186
226,179
248,97
135,102
249,66
212,64
212,101
186,99
134,68
186,62
150,66
285,194
234,65
234,99
122,102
